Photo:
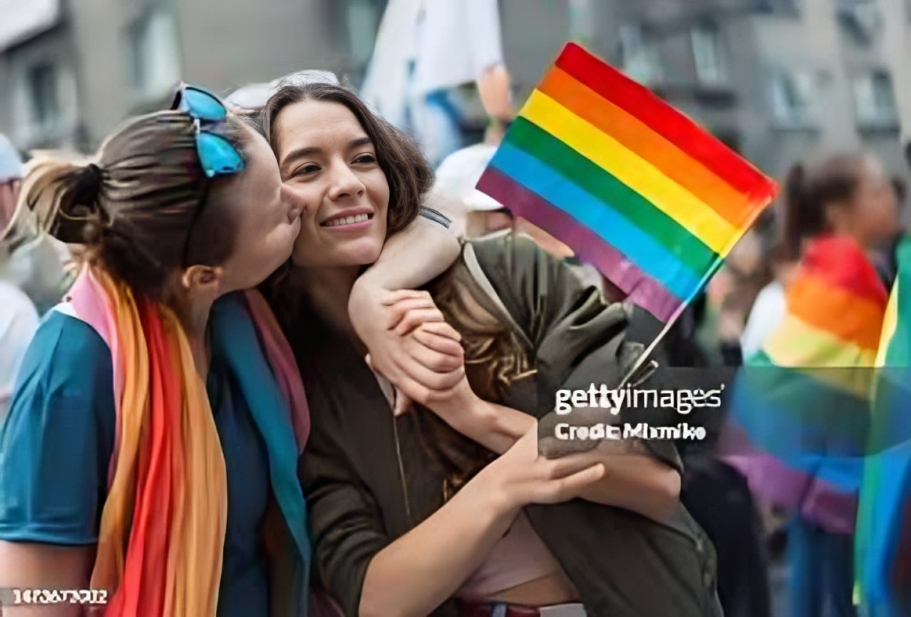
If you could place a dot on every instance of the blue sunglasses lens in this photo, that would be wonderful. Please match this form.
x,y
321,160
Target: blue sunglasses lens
x,y
200,104
217,156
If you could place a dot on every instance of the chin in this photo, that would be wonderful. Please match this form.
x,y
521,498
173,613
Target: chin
x,y
352,258
361,252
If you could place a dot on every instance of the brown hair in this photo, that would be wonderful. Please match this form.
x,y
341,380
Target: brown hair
x,y
493,359
810,191
138,208
407,171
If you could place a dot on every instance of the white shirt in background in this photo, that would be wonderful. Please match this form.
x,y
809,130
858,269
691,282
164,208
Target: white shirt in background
x,y
18,323
449,42
767,312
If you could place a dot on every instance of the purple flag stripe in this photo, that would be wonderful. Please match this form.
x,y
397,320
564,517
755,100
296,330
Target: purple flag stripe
x,y
818,500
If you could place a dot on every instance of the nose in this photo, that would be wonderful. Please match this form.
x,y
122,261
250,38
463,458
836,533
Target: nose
x,y
345,183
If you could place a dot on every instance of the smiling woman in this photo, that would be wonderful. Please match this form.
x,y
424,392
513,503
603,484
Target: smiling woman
x,y
339,163
152,441
178,209
449,509
341,189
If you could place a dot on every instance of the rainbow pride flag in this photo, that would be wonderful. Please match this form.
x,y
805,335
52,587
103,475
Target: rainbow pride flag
x,y
800,414
629,183
883,538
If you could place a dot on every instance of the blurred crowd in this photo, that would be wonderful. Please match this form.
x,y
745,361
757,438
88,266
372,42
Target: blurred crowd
x,y
848,193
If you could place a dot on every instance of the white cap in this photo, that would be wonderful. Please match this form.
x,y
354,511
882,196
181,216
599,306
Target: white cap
x,y
251,96
459,172
254,96
10,161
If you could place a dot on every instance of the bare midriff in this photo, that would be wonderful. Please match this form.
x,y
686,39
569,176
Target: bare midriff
x,y
553,589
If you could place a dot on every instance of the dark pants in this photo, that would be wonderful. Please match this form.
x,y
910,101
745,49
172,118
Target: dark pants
x,y
718,497
822,570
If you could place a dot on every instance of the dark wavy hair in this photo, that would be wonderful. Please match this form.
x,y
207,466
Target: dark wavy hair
x,y
810,190
407,170
409,174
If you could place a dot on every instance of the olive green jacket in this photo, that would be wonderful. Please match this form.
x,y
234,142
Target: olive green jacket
x,y
368,480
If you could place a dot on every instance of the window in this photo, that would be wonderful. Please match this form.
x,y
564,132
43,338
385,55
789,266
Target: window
x,y
850,5
778,7
795,98
874,101
862,18
41,93
637,57
44,96
154,58
708,53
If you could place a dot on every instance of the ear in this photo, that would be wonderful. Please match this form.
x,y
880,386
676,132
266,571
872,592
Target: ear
x,y
206,280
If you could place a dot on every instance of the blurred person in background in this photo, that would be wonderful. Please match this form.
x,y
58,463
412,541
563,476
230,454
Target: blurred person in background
x,y
714,493
886,259
11,171
456,178
431,512
424,52
18,317
768,306
30,260
152,352
732,291
848,199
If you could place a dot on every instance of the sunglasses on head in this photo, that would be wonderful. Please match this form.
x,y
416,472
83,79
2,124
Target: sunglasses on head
x,y
216,154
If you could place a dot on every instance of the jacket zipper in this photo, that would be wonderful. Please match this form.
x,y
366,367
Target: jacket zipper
x,y
402,478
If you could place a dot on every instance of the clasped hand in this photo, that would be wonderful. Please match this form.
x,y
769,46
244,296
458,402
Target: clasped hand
x,y
413,347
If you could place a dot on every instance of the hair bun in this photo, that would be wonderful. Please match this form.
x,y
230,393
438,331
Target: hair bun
x,y
94,175
84,204
66,200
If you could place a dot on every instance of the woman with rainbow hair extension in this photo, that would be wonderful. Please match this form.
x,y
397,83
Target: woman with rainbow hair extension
x,y
151,449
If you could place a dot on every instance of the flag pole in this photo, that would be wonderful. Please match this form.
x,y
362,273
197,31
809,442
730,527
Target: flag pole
x,y
716,265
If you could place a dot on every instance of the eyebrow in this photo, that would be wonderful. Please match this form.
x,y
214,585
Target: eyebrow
x,y
311,150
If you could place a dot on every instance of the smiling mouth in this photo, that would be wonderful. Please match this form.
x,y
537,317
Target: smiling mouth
x,y
348,220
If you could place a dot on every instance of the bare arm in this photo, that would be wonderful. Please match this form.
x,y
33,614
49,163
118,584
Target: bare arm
x,y
425,567
43,566
633,480
409,259
422,569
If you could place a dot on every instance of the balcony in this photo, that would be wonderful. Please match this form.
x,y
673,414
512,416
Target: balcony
x,y
667,15
862,18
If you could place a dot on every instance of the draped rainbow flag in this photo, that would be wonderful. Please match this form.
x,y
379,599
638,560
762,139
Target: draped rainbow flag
x,y
883,537
629,183
800,413
162,530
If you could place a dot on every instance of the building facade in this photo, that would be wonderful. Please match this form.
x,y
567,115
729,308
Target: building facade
x,y
69,79
779,80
